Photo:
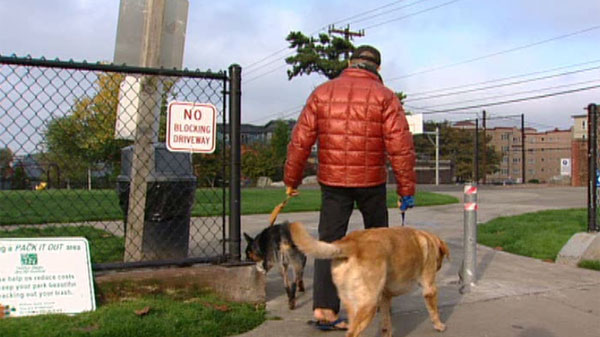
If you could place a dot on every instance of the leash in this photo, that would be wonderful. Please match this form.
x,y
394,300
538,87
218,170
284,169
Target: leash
x,y
278,209
402,213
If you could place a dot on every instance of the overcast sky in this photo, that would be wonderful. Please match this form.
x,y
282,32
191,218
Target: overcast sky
x,y
426,45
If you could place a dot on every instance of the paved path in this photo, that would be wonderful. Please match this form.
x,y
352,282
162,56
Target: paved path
x,y
514,296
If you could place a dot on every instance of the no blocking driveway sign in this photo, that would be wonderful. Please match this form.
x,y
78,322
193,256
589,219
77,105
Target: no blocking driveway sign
x,y
191,127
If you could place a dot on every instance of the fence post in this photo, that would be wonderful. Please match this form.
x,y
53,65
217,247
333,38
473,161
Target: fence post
x,y
592,167
437,155
467,272
235,109
476,154
523,164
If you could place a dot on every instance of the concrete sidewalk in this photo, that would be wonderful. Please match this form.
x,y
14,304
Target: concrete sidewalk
x,y
514,296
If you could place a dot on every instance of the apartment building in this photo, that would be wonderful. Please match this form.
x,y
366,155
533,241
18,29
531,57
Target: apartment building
x,y
506,141
543,154
579,147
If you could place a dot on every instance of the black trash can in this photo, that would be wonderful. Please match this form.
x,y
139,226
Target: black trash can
x,y
171,189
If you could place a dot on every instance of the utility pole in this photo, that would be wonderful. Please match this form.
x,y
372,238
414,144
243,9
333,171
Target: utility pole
x,y
435,143
150,34
347,33
484,158
523,147
143,156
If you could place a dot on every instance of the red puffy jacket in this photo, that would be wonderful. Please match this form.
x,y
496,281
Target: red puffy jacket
x,y
358,122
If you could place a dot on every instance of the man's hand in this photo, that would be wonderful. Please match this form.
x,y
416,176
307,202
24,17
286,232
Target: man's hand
x,y
291,192
406,202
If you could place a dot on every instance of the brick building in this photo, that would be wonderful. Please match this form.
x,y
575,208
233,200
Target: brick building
x,y
579,147
543,153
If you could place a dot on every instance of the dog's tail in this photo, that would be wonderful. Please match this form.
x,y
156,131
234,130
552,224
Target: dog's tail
x,y
313,247
444,250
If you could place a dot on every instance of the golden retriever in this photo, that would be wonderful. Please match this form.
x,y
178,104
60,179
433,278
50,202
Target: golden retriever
x,y
371,266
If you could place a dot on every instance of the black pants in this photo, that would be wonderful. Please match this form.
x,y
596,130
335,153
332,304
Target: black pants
x,y
337,204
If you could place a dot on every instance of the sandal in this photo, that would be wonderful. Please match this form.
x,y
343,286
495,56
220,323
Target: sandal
x,y
330,326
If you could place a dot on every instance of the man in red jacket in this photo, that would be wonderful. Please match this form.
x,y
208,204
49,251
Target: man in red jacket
x,y
358,123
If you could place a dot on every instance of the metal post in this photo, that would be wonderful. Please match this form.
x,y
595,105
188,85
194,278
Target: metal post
x,y
476,166
437,155
484,159
143,156
235,93
523,148
592,167
468,272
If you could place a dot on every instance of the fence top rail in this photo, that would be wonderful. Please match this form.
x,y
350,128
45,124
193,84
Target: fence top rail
x,y
56,63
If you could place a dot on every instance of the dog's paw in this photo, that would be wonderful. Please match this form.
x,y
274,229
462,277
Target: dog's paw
x,y
386,332
301,286
441,327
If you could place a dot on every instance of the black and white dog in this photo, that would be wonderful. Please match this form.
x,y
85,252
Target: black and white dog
x,y
274,246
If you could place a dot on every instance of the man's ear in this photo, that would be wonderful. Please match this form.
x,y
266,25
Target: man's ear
x,y
248,238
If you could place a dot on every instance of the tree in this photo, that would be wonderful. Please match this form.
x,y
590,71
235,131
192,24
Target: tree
x,y
209,168
458,145
20,180
320,55
6,157
257,161
279,143
85,136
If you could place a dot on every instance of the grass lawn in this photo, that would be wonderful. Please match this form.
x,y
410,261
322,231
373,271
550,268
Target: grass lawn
x,y
104,247
540,235
62,206
148,309
589,264
262,201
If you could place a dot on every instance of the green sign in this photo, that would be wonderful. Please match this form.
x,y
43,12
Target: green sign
x,y
29,259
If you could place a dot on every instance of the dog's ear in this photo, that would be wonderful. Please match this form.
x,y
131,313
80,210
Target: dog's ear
x,y
248,238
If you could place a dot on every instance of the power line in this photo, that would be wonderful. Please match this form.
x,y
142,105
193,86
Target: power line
x,y
501,79
262,74
358,15
488,118
502,85
387,12
529,45
514,100
266,58
412,14
322,29
285,113
366,12
512,94
534,123
541,149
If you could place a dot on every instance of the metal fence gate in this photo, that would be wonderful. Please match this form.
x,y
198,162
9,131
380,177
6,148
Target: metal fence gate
x,y
593,166
64,173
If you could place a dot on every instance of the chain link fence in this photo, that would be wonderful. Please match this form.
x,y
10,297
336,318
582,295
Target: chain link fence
x,y
69,165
